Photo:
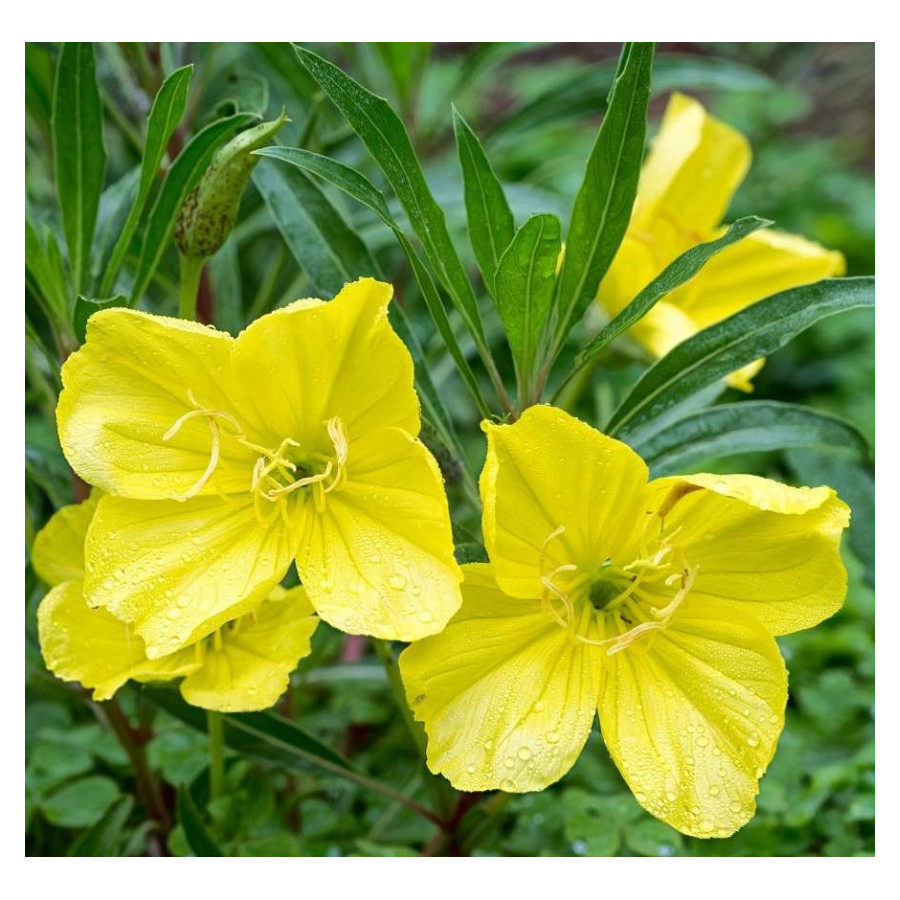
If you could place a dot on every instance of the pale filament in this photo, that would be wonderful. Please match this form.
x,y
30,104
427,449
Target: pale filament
x,y
211,415
263,483
634,598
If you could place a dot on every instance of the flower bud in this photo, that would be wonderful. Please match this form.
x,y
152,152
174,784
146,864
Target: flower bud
x,y
210,210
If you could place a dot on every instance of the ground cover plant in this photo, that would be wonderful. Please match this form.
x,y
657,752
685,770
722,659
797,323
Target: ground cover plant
x,y
449,449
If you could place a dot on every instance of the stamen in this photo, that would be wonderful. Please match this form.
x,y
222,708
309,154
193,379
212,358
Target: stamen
x,y
211,415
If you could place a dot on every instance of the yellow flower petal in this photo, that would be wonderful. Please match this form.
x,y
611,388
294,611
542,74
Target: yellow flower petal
x,y
692,714
556,492
179,570
695,165
762,264
318,360
506,696
250,661
134,379
378,559
57,553
760,546
95,648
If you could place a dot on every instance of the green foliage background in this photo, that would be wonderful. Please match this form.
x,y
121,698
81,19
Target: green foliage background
x,y
808,111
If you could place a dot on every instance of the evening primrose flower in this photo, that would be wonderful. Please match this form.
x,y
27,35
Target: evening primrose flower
x,y
695,165
653,603
225,459
244,665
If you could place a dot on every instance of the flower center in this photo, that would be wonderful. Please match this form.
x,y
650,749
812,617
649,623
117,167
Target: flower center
x,y
632,600
278,473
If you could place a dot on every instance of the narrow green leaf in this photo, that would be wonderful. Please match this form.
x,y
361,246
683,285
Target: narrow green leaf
x,y
44,276
225,279
382,131
339,174
603,204
746,427
584,92
79,154
85,307
526,278
673,276
490,220
263,735
165,114
198,837
116,203
180,180
320,240
361,189
734,342
105,837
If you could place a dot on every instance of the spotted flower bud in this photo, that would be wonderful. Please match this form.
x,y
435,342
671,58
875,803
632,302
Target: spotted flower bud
x,y
211,209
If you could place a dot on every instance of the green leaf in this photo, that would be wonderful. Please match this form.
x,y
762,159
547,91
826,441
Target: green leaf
x,y
165,114
404,62
384,134
584,92
225,279
44,273
198,838
746,427
116,203
79,154
80,803
180,180
734,342
490,220
85,307
603,204
263,735
320,240
104,838
673,276
361,189
648,837
526,278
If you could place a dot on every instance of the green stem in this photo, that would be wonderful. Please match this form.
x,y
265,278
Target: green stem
x,y
191,270
437,787
386,657
216,730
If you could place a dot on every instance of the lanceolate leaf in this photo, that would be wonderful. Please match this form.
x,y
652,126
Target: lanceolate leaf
x,y
44,275
320,240
384,134
745,427
360,188
722,348
263,735
165,114
79,155
526,277
603,204
183,174
105,838
489,217
198,838
674,275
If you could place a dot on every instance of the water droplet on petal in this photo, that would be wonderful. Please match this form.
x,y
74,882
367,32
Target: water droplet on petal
x,y
397,581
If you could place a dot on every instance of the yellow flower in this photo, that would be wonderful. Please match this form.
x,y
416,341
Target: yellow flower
x,y
225,459
244,665
655,604
695,165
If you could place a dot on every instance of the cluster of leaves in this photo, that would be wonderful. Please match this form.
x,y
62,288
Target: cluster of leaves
x,y
357,188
